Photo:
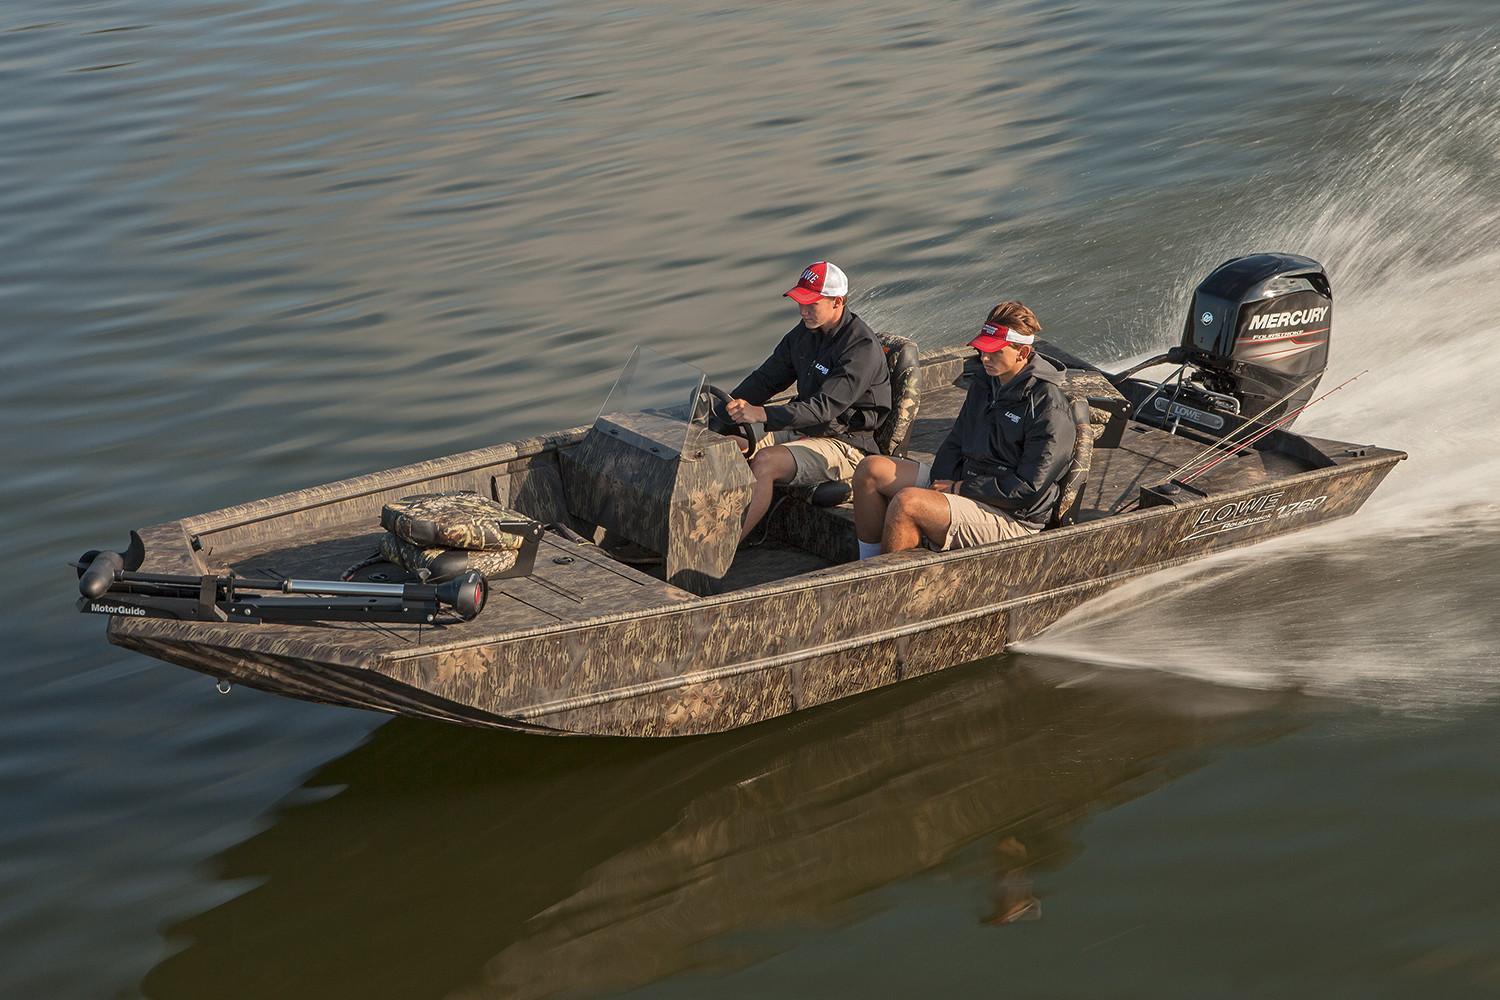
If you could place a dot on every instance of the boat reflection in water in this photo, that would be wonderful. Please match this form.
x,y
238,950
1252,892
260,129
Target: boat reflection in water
x,y
477,864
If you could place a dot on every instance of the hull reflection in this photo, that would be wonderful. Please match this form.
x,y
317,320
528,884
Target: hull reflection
x,y
456,864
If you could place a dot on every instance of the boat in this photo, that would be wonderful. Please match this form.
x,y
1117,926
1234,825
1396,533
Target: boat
x,y
714,636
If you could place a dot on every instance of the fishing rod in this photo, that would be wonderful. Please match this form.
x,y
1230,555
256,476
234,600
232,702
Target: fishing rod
x,y
1227,440
110,585
1231,447
1285,419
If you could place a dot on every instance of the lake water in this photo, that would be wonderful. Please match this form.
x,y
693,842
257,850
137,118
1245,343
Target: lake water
x,y
250,247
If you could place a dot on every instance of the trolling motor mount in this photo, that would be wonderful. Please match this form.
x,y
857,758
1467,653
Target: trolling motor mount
x,y
110,585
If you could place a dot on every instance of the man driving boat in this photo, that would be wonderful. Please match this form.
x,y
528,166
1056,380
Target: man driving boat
x,y
996,474
843,393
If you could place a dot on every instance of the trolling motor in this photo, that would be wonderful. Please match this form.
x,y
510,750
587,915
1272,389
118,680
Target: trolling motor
x,y
1253,349
110,585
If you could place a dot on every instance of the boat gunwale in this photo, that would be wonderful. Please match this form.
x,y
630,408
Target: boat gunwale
x,y
252,637
312,497
915,558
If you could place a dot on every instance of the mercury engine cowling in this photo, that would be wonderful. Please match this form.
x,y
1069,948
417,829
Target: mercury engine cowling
x,y
1258,333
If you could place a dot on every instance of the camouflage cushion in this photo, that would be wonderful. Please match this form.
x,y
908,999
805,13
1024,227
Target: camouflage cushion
x,y
902,357
459,520
1071,485
1085,385
1084,389
438,564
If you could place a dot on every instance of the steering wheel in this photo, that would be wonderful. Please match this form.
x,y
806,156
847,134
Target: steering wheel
x,y
720,422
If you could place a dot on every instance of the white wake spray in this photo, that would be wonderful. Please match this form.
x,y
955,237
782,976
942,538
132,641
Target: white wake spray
x,y
1394,605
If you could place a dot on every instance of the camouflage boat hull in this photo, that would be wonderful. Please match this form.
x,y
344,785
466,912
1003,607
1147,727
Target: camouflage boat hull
x,y
589,646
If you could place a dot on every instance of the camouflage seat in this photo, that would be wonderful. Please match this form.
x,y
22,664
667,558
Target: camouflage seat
x,y
1095,403
457,520
903,359
438,564
438,536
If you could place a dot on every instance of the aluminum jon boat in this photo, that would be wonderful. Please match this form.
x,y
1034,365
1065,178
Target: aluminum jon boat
x,y
711,637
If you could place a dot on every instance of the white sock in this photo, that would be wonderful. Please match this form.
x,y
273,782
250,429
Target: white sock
x,y
868,549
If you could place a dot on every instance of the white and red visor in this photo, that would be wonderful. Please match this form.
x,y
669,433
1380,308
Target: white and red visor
x,y
820,280
993,336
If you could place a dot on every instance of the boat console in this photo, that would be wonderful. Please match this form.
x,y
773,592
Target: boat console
x,y
651,472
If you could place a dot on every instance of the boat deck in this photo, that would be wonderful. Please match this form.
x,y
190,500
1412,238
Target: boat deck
x,y
569,583
573,582
1146,455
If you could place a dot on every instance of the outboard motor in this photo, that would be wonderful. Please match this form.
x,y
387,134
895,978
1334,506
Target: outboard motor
x,y
1259,330
1256,339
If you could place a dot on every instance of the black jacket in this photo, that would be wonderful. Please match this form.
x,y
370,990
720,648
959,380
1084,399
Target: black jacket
x,y
843,384
1011,443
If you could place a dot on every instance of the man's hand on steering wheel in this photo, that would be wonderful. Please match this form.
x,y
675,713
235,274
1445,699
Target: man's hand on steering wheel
x,y
722,419
742,412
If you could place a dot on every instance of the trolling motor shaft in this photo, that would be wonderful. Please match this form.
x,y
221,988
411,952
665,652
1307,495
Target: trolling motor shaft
x,y
109,584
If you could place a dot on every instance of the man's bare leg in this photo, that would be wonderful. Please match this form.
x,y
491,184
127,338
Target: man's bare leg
x,y
913,513
769,466
876,480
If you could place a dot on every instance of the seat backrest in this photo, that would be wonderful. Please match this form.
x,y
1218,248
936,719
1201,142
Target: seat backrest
x,y
1098,412
1071,485
903,359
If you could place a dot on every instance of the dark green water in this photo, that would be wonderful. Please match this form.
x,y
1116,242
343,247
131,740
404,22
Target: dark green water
x,y
246,248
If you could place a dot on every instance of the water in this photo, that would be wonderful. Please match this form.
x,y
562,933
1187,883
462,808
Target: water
x,y
250,247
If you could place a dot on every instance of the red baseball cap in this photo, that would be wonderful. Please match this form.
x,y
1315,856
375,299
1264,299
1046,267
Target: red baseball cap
x,y
993,336
820,280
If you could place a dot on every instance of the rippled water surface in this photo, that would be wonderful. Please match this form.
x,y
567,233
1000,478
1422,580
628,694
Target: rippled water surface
x,y
250,247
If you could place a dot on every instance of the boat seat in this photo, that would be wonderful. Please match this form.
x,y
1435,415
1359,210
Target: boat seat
x,y
1098,416
903,360
1071,486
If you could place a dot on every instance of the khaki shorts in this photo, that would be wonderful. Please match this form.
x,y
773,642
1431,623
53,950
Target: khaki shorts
x,y
972,523
819,459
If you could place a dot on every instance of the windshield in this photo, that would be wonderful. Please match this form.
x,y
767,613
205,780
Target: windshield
x,y
654,397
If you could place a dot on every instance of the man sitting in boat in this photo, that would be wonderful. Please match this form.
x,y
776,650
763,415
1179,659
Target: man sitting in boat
x,y
843,393
996,474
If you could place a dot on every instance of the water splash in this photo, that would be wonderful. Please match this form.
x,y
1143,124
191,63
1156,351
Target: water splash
x,y
1387,622
1381,607
1412,228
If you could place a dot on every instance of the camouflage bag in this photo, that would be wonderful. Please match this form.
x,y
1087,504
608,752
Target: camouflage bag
x,y
438,564
459,520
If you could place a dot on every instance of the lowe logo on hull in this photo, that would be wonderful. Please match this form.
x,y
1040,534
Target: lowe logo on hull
x,y
1297,317
1248,513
